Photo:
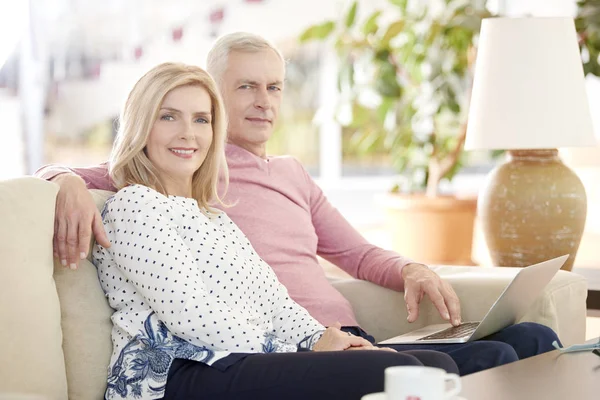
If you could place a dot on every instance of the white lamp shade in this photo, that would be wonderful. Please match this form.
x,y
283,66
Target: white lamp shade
x,y
529,87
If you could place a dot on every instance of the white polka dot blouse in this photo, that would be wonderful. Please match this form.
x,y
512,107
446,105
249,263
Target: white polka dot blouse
x,y
185,283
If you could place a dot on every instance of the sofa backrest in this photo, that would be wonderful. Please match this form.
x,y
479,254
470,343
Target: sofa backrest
x,y
30,329
86,324
55,336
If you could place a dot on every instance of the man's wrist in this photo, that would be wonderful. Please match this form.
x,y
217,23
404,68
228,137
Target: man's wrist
x,y
411,267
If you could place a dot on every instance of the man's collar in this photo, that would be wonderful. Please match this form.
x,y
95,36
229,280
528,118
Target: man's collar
x,y
235,153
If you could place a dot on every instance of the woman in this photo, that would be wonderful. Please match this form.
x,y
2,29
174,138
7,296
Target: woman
x,y
197,313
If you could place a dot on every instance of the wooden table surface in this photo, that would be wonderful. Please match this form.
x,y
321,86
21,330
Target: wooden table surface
x,y
549,376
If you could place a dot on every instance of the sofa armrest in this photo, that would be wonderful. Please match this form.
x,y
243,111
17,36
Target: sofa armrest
x,y
379,311
382,312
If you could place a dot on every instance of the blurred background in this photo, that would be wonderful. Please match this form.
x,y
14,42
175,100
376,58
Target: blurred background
x,y
67,65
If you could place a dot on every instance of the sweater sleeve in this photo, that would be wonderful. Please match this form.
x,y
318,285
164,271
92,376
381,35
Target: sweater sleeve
x,y
95,177
148,251
342,245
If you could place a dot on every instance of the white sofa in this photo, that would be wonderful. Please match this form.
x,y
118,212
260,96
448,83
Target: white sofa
x,y
55,330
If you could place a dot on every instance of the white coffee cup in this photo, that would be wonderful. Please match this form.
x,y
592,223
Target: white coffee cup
x,y
419,383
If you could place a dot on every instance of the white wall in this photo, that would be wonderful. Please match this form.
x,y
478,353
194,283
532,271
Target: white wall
x,y
540,8
12,157
84,103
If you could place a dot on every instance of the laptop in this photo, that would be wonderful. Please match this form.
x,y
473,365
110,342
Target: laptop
x,y
510,307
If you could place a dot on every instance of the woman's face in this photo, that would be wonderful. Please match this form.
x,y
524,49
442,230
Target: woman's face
x,y
182,134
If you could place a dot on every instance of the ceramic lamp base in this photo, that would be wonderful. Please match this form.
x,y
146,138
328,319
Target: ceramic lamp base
x,y
532,208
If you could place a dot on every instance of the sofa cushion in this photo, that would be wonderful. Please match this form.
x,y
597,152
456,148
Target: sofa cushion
x,y
86,324
30,333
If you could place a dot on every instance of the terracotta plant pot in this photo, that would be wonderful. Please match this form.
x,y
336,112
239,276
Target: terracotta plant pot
x,y
431,230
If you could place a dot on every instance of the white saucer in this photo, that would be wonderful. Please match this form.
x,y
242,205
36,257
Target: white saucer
x,y
381,396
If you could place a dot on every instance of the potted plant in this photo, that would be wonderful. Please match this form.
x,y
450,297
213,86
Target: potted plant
x,y
405,74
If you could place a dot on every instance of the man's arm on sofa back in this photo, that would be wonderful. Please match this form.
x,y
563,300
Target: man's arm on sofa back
x,y
95,177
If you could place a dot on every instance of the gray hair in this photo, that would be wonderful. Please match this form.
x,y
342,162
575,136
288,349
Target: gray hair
x,y
216,61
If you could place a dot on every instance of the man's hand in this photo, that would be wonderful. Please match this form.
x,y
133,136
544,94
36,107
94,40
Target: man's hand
x,y
420,281
76,217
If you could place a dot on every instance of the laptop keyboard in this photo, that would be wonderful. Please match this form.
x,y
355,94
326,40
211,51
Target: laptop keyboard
x,y
453,332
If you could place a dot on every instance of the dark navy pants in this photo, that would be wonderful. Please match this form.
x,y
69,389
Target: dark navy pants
x,y
346,374
513,343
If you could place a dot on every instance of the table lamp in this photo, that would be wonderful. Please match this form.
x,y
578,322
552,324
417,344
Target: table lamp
x,y
529,98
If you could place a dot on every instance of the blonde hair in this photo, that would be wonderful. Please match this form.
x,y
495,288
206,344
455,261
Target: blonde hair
x,y
129,163
216,61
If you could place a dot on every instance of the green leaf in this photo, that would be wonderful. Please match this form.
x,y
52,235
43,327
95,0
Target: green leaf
x,y
371,25
318,32
414,71
456,167
346,75
494,154
340,46
386,82
360,115
453,105
351,16
433,33
393,30
382,55
383,109
400,3
368,141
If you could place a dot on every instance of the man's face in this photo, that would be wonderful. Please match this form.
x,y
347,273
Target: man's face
x,y
252,89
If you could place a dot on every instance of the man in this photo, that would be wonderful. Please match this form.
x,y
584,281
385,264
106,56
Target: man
x,y
286,216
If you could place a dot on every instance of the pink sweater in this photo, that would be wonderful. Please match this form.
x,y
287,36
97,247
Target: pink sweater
x,y
289,221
